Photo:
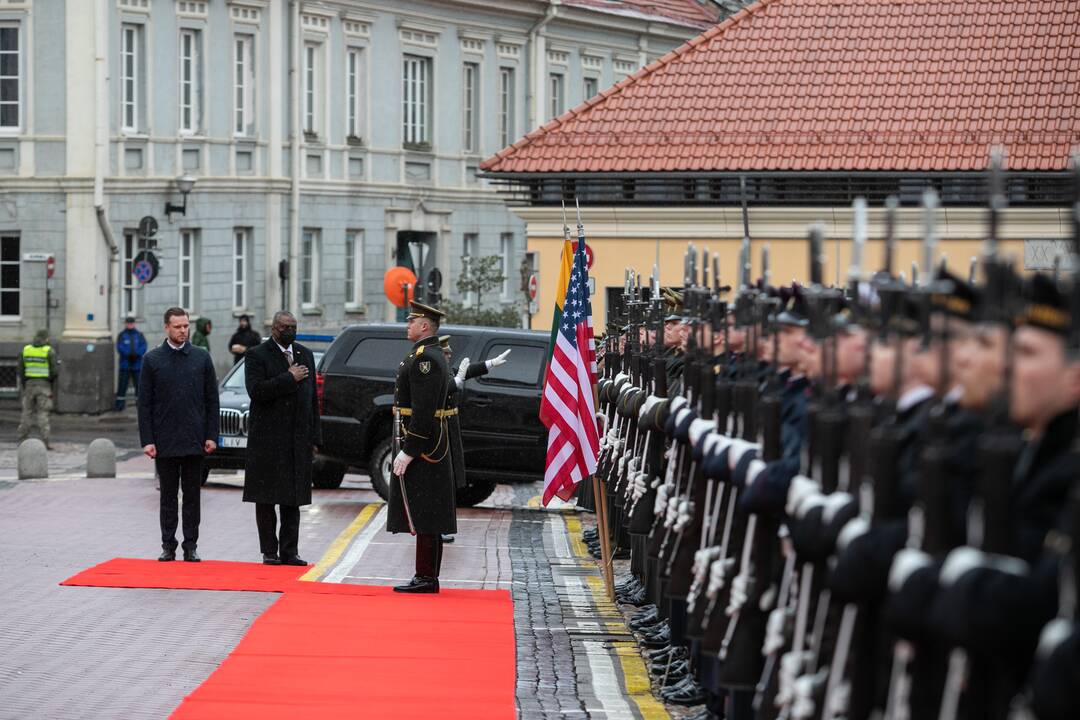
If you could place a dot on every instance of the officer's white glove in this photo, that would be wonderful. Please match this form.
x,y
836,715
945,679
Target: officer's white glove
x,y
463,368
906,562
401,461
497,360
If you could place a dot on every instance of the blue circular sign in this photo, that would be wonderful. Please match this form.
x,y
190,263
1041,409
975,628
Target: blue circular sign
x,y
143,271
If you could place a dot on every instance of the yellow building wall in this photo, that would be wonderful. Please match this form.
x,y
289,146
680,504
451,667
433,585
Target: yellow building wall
x,y
620,239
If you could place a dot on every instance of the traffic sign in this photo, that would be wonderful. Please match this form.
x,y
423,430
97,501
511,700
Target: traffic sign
x,y
148,226
533,286
144,267
50,266
588,257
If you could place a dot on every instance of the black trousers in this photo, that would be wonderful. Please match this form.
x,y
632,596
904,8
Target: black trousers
x,y
428,555
180,473
270,540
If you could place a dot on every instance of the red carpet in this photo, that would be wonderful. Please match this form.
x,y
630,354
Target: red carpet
x,y
344,651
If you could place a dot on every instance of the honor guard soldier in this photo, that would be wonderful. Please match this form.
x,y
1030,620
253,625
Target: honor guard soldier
x,y
422,494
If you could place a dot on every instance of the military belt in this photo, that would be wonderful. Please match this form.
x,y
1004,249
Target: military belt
x,y
449,412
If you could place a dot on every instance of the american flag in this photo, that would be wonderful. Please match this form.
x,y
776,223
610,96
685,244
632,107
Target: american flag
x,y
568,406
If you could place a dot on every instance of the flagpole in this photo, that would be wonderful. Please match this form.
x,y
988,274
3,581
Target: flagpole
x,y
599,486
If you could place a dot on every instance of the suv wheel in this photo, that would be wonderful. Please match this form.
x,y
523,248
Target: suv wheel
x,y
327,474
476,492
379,469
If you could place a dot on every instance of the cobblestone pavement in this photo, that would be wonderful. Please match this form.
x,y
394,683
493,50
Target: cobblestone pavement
x,y
111,653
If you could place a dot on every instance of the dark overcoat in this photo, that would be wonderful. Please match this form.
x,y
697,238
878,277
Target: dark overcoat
x,y
453,398
283,426
421,391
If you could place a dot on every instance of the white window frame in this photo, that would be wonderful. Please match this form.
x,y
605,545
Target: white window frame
x,y
185,269
355,74
354,267
190,75
507,81
131,36
308,277
556,94
244,83
19,76
506,250
129,295
416,100
17,262
585,82
470,107
314,67
241,245
470,252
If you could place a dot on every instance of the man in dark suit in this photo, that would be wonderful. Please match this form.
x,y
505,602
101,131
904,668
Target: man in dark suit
x,y
178,424
422,498
283,430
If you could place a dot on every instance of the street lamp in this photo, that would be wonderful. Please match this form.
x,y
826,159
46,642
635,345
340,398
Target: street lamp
x,y
184,184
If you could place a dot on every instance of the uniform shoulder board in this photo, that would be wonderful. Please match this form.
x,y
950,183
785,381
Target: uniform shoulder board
x,y
420,350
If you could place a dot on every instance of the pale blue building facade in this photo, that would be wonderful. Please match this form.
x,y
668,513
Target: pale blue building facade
x,y
339,138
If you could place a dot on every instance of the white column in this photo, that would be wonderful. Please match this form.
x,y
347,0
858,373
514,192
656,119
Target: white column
x,y
86,306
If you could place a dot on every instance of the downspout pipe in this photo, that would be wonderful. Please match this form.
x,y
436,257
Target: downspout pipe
x,y
101,146
536,63
294,169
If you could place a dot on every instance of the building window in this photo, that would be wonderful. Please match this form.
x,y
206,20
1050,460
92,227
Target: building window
x,y
354,71
190,80
10,77
244,85
556,94
506,250
241,243
506,106
592,87
313,74
416,97
129,297
309,268
470,103
10,270
354,265
186,269
130,76
471,252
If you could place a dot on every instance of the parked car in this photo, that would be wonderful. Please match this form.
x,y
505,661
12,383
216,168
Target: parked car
x,y
503,438
233,404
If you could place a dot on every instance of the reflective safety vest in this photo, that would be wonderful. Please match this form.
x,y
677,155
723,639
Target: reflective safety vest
x,y
36,362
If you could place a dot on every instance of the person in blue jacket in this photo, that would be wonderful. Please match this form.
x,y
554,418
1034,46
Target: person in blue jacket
x,y
130,346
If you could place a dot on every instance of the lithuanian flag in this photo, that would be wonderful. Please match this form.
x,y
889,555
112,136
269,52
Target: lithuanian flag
x,y
566,264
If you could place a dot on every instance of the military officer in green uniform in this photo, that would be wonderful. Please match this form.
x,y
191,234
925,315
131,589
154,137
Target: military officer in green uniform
x,y
422,498
37,370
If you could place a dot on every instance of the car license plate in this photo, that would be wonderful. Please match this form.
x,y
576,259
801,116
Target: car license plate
x,y
233,442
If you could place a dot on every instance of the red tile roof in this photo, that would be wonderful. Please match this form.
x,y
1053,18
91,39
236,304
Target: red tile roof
x,y
681,12
848,85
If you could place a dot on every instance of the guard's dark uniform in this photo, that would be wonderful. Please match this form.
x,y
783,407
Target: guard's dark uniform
x,y
420,394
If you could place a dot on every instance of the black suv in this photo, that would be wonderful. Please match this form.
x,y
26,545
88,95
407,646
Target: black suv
x,y
503,437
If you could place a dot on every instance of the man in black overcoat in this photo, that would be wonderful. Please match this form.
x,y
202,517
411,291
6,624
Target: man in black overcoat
x,y
283,430
422,490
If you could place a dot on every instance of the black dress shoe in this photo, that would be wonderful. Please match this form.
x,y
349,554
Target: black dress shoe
x,y
191,556
419,585
293,560
271,559
167,556
658,640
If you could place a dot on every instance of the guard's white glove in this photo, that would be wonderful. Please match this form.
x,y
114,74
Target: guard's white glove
x,y
498,359
906,562
463,368
401,461
775,631
718,572
741,586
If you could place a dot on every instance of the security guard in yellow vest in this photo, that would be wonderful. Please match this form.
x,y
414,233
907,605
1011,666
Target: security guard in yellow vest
x,y
37,369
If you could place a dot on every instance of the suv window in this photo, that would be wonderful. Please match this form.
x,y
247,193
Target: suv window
x,y
236,380
378,355
522,366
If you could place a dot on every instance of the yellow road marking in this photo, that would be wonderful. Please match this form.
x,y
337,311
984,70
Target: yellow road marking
x,y
534,502
333,553
573,529
637,682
